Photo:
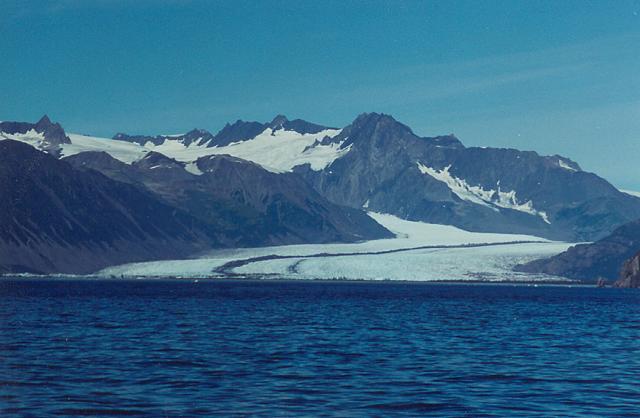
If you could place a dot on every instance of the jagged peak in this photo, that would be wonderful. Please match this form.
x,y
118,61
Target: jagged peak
x,y
278,122
198,132
377,121
44,121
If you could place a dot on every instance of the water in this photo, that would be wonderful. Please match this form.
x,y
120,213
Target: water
x,y
169,348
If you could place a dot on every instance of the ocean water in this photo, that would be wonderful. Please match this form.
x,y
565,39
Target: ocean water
x,y
235,348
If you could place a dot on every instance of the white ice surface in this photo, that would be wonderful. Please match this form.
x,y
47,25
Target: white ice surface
x,y
277,151
427,264
492,263
31,137
124,151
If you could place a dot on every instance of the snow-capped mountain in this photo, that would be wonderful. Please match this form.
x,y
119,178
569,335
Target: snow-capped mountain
x,y
55,218
43,134
95,202
389,169
377,163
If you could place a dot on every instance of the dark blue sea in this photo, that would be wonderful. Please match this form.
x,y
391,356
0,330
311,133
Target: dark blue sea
x,y
236,348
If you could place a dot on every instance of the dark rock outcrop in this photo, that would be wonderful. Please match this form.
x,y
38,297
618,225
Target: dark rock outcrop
x,y
236,132
242,131
601,259
195,136
53,134
630,274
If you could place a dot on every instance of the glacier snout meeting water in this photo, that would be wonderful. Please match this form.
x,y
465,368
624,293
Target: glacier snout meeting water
x,y
420,252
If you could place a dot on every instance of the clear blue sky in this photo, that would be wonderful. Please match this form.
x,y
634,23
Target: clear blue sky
x,y
551,76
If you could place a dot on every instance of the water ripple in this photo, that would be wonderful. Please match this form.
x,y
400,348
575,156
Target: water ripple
x,y
170,348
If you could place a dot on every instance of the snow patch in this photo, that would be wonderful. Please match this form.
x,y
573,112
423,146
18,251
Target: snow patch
x,y
192,168
566,166
281,150
31,137
493,199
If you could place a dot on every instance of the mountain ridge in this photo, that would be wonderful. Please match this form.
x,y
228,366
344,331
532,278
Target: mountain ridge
x,y
377,163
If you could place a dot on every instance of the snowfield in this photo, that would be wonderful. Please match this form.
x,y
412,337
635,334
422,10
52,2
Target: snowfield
x,y
124,151
277,151
493,199
354,261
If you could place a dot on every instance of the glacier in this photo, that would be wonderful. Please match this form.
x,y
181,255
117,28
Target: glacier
x,y
452,259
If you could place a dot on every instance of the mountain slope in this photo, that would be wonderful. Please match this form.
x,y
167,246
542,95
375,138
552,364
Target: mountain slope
x,y
601,259
380,164
388,168
246,204
630,274
55,218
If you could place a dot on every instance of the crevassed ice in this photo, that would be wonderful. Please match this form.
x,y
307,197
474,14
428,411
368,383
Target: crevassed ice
x,y
493,199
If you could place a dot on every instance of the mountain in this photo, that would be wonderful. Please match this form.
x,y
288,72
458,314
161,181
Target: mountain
x,y
195,136
237,132
56,218
246,204
601,259
48,135
377,163
630,274
387,168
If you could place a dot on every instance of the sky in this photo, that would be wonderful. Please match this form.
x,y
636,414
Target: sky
x,y
557,77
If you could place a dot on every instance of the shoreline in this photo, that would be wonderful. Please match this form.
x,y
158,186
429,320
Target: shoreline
x,y
266,280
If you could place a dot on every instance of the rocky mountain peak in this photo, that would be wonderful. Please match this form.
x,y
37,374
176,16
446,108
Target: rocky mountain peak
x,y
44,122
379,121
238,131
200,136
278,122
53,133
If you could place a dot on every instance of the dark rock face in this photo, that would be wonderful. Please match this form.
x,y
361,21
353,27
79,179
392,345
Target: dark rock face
x,y
139,139
238,131
383,171
298,125
53,133
195,136
601,259
56,218
243,131
245,204
630,274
